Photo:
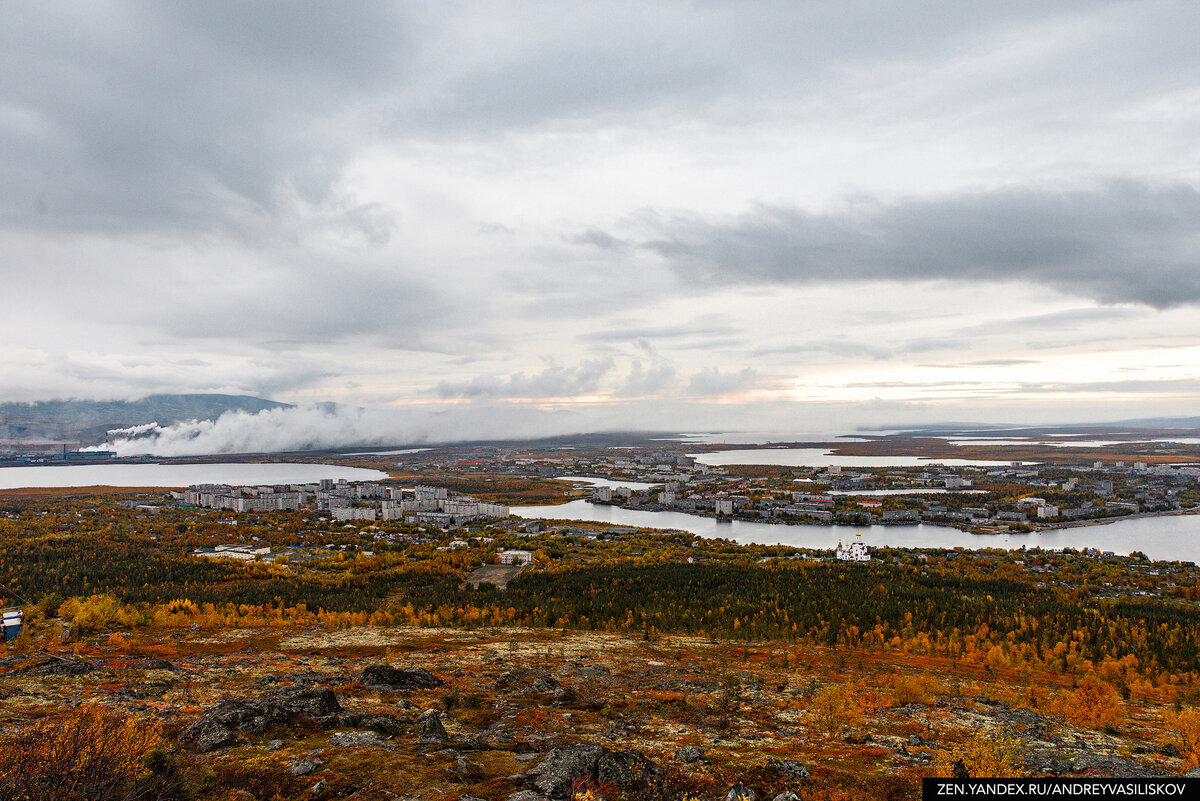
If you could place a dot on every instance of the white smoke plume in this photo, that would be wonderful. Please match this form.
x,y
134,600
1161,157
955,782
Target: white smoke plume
x,y
134,431
318,427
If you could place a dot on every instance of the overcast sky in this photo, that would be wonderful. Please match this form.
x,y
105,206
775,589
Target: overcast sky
x,y
775,216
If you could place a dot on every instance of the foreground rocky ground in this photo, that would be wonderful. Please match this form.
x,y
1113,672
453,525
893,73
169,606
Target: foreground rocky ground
x,y
379,713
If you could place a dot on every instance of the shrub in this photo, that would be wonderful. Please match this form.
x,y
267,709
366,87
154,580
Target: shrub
x,y
1094,703
86,755
918,689
993,755
1187,732
836,706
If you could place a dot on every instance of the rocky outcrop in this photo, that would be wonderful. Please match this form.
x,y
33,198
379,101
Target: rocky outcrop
x,y
304,767
528,680
220,725
386,677
629,771
55,666
430,730
788,768
740,792
357,739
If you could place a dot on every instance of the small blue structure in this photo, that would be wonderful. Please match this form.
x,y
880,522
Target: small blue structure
x,y
12,620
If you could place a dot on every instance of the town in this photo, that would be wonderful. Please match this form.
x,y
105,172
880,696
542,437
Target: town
x,y
1019,497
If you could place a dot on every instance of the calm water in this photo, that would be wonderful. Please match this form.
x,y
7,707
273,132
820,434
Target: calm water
x,y
920,491
1174,537
608,482
178,475
820,457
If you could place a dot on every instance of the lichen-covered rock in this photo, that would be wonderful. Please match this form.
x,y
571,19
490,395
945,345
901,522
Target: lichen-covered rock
x,y
689,753
384,724
219,725
740,792
55,666
356,739
430,729
386,677
528,680
303,767
788,768
629,771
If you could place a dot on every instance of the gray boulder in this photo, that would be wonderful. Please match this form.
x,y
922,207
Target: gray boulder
x,y
219,725
528,680
430,730
629,771
788,768
787,795
357,739
384,724
740,792
303,767
689,753
386,677
55,666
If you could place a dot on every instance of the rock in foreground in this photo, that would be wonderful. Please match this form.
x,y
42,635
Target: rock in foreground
x,y
629,771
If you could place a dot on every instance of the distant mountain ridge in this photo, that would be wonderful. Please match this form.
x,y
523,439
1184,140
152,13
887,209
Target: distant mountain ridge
x,y
86,422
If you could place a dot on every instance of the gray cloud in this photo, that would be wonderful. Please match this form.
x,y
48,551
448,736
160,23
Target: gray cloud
x,y
1122,242
711,381
628,331
649,380
1149,386
555,381
129,116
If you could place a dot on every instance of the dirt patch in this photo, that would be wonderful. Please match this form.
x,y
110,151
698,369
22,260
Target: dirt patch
x,y
498,575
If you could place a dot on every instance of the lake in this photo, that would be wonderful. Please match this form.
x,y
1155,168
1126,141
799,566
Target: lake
x,y
1170,537
178,475
821,457
607,482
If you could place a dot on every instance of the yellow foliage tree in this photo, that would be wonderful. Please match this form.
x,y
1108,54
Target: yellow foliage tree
x,y
992,755
1094,703
836,706
1187,731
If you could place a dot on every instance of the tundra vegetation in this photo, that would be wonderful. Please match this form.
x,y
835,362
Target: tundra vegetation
x,y
638,664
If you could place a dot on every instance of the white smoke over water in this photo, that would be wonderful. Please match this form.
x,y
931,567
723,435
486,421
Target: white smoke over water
x,y
319,427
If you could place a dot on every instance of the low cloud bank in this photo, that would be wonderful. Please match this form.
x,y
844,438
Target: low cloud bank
x,y
318,427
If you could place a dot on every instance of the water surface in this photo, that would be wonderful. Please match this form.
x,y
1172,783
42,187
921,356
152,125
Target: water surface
x,y
1173,537
820,457
179,475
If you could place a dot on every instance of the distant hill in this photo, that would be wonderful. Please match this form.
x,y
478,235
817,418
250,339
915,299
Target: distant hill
x,y
85,422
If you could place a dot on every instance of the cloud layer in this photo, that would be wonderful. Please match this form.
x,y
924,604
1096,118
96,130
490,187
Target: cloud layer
x,y
1124,242
613,215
